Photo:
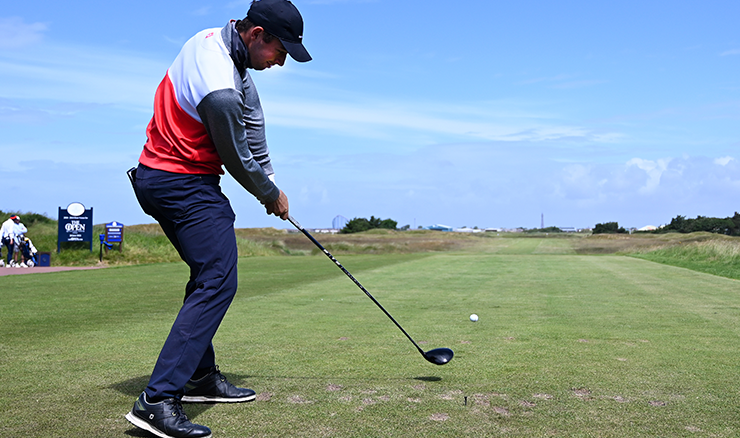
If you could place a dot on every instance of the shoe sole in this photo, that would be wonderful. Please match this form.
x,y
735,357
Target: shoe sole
x,y
141,424
210,399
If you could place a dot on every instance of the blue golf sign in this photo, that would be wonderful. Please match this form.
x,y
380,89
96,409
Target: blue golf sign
x,y
75,225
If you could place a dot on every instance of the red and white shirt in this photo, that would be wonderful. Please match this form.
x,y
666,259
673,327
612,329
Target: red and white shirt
x,y
207,114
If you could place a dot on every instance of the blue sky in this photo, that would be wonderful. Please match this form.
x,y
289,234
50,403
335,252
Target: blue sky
x,y
472,113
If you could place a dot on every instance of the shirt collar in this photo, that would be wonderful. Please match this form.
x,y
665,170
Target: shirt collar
x,y
237,48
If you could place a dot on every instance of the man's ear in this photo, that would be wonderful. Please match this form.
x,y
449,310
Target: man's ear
x,y
253,34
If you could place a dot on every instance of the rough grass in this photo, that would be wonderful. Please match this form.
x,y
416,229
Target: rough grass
x,y
640,242
714,256
145,244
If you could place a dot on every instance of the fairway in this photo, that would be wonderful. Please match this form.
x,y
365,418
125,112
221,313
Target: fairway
x,y
566,345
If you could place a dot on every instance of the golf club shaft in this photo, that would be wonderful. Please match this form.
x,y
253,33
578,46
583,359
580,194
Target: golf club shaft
x,y
336,262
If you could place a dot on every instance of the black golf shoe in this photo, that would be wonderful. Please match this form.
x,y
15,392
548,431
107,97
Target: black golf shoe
x,y
165,419
214,388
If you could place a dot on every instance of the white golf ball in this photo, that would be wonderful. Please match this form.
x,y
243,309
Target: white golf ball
x,y
474,317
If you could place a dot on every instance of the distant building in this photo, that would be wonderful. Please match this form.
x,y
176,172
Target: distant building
x,y
648,228
440,227
467,230
325,230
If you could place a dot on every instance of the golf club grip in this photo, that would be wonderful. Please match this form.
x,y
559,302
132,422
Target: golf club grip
x,y
351,277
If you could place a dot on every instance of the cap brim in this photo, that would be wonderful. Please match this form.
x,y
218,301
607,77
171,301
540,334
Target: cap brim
x,y
296,51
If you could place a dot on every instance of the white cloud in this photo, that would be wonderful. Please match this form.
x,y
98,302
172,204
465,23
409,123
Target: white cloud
x,y
16,33
80,74
653,169
724,161
608,137
389,119
730,52
579,182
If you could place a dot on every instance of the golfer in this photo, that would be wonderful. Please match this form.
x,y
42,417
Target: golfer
x,y
207,114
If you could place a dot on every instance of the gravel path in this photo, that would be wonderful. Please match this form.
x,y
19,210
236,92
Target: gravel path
x,y
41,269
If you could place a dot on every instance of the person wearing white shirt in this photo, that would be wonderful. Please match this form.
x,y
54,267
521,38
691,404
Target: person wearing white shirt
x,y
8,238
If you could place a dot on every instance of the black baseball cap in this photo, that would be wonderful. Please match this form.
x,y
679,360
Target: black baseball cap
x,y
282,19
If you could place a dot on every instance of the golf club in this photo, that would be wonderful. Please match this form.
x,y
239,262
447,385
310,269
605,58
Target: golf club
x,y
437,356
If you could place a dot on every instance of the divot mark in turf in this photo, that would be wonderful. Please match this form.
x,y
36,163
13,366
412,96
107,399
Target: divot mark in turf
x,y
620,399
439,417
582,393
264,396
465,342
481,400
333,387
344,338
452,395
657,403
692,429
501,411
527,404
543,396
583,340
297,399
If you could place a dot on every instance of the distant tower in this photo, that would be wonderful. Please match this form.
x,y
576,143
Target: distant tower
x,y
542,221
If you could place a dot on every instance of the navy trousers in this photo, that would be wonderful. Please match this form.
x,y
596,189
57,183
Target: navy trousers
x,y
10,247
199,221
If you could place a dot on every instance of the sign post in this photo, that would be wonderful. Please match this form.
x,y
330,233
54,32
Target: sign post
x,y
104,243
75,225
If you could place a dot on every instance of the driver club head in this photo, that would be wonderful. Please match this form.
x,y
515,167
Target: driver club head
x,y
439,356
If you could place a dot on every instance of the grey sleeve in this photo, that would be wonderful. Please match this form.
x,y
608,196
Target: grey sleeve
x,y
223,114
254,122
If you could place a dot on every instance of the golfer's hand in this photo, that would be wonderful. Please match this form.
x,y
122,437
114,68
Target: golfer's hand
x,y
279,207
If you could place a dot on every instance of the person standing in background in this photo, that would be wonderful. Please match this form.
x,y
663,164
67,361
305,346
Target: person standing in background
x,y
8,238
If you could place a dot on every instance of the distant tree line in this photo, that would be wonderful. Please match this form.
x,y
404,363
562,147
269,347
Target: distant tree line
x,y
608,228
729,225
680,224
360,224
